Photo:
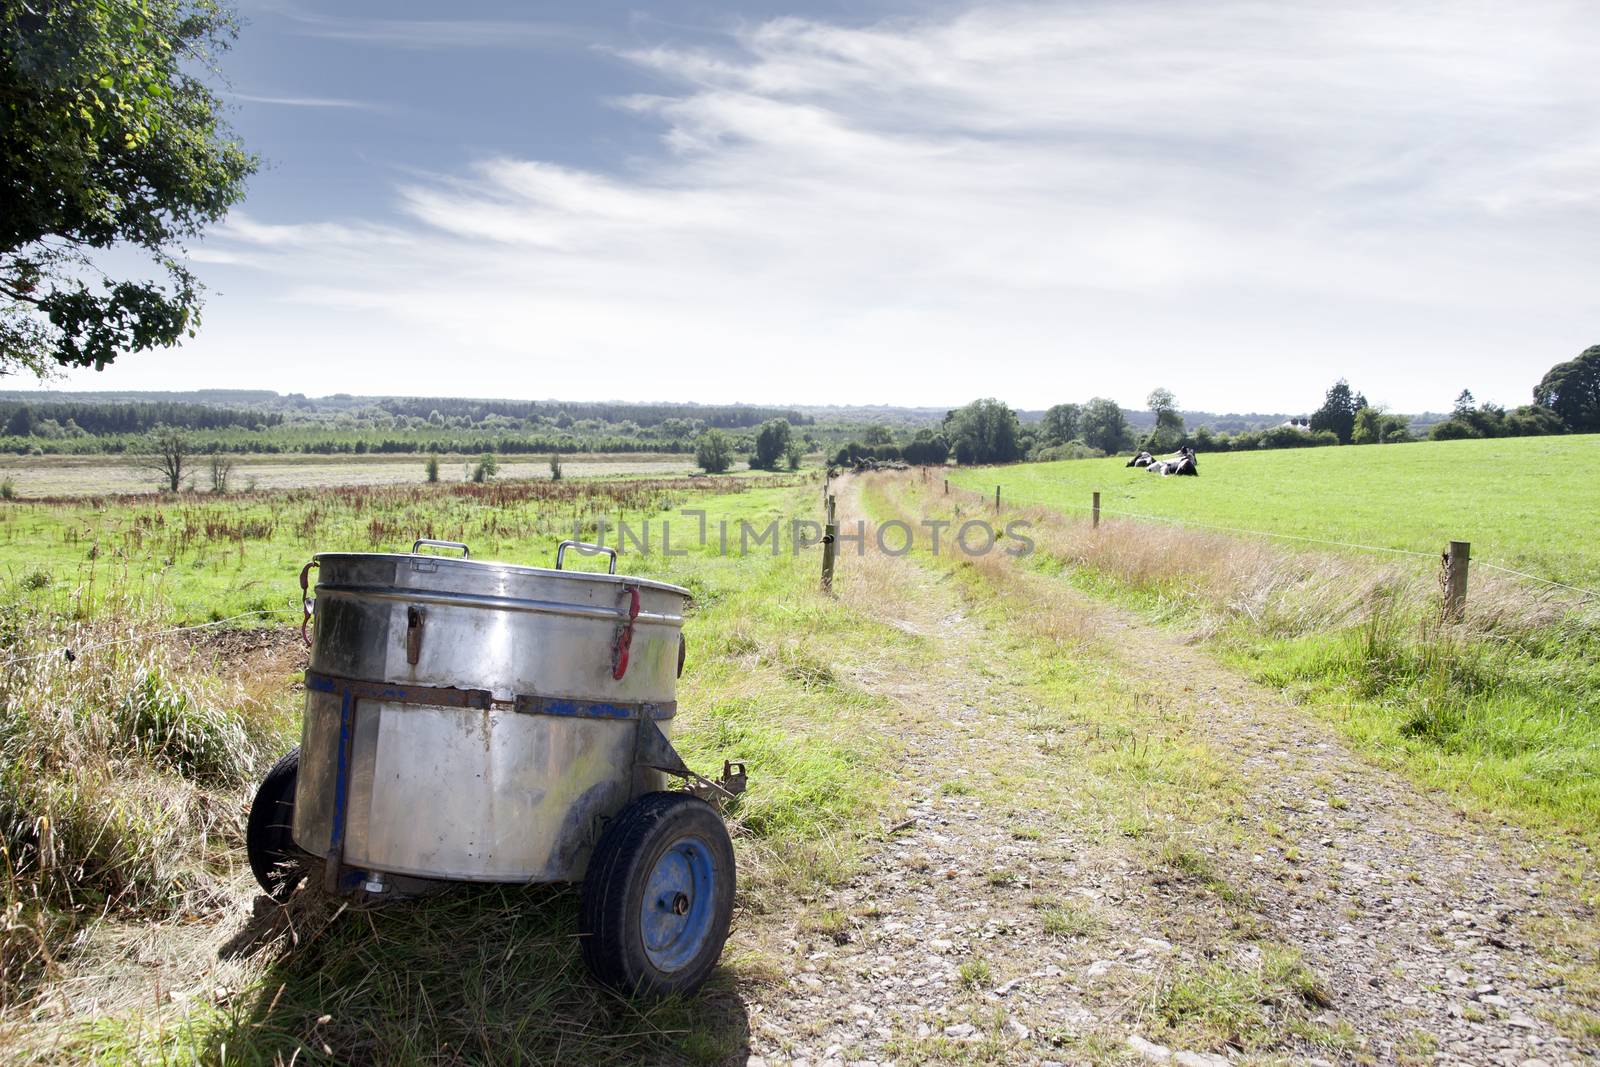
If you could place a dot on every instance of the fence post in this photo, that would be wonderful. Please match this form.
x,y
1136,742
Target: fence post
x,y
997,500
1096,509
1456,558
830,539
947,487
830,509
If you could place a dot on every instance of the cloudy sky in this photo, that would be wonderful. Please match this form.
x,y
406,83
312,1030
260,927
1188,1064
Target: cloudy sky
x,y
906,203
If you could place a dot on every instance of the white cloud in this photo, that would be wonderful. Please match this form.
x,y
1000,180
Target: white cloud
x,y
1240,200
306,101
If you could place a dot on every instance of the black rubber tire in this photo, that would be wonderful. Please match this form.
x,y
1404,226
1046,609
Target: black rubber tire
x,y
613,892
268,840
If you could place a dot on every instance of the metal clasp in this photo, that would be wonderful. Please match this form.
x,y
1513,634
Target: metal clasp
x,y
415,617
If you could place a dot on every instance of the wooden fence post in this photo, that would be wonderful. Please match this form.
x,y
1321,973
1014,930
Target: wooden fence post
x,y
1456,558
830,540
1097,509
947,487
997,500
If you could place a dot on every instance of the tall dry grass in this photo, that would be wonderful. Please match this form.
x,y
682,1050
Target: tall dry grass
x,y
123,778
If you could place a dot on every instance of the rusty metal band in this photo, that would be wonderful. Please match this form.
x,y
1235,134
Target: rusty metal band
x,y
482,699
399,694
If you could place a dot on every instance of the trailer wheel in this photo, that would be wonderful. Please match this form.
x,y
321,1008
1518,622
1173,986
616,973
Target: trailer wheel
x,y
267,834
658,896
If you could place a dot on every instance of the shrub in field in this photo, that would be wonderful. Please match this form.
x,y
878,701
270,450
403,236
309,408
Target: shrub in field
x,y
713,452
431,468
1070,450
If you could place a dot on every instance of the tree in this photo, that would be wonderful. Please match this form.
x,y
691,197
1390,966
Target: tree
x,y
21,422
487,468
1375,426
1168,431
1533,420
431,468
926,448
1104,426
878,434
794,455
167,452
1338,411
1572,391
1465,402
221,472
985,431
555,466
109,139
713,452
772,442
1060,424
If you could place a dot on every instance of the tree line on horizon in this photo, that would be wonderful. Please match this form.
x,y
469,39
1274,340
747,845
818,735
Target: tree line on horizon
x,y
1566,400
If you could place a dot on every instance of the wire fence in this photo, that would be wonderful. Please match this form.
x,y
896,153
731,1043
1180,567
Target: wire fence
x,y
1105,512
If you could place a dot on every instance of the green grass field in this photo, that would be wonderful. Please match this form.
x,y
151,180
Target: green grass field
x,y
1527,503
198,557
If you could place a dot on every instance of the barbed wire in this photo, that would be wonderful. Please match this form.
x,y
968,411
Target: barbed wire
x,y
1016,502
1187,523
1595,593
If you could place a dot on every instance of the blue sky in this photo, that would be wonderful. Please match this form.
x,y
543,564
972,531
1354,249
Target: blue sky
x,y
905,203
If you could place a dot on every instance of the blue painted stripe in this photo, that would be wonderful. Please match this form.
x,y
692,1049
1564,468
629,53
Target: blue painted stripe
x,y
585,709
341,776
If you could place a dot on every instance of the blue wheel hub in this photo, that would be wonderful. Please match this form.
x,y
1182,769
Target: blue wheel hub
x,y
675,915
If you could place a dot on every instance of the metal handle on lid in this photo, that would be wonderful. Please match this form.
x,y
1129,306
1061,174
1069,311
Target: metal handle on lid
x,y
465,551
583,546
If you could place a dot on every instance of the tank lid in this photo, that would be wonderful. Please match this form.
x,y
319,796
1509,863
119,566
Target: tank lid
x,y
448,563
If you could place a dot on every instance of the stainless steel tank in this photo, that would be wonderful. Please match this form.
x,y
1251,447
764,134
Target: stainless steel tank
x,y
473,721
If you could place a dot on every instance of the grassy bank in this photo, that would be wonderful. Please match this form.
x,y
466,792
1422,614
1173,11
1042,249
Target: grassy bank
x,y
480,975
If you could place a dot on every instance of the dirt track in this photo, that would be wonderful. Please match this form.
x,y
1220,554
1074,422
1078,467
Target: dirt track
x,y
1415,924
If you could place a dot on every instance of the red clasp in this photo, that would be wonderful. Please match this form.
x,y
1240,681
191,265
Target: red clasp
x,y
624,639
